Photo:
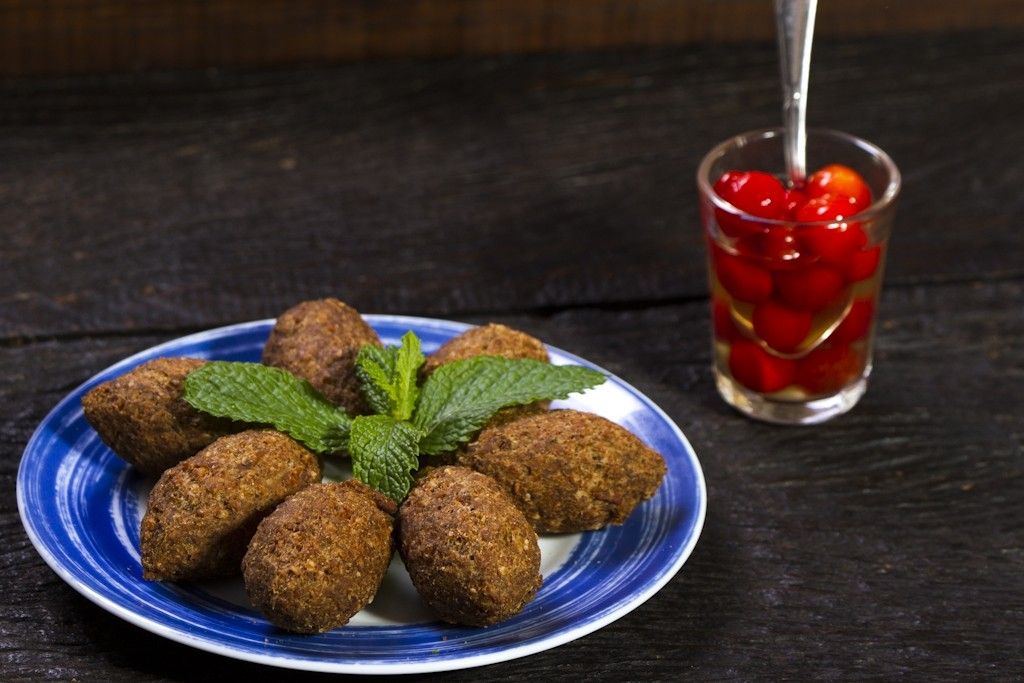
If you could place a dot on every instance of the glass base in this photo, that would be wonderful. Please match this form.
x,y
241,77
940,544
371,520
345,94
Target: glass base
x,y
755,405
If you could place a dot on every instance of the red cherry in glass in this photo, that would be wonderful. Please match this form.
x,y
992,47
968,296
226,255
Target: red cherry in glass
x,y
742,279
753,192
756,369
834,243
809,289
824,208
829,368
862,264
775,247
780,327
856,324
840,181
721,318
795,199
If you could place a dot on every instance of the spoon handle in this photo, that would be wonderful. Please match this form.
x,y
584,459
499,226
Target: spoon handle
x,y
795,24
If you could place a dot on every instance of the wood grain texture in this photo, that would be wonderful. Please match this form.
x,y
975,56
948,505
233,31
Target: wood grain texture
x,y
97,36
555,194
887,542
181,201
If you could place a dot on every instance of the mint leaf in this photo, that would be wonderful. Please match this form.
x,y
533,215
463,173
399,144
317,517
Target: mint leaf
x,y
384,453
388,376
250,392
375,365
460,397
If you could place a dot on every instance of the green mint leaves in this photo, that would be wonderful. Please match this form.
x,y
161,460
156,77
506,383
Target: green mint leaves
x,y
388,376
250,392
453,404
385,453
460,397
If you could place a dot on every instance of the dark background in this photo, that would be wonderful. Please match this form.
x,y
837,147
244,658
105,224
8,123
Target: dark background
x,y
534,165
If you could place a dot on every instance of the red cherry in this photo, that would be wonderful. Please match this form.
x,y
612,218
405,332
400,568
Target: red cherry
x,y
776,247
742,279
721,317
809,289
781,328
840,181
756,369
753,192
834,243
862,264
795,199
827,369
856,324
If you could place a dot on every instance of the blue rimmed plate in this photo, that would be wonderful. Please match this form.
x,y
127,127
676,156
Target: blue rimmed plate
x,y
81,506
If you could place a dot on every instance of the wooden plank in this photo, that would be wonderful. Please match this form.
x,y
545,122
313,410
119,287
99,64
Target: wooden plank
x,y
94,36
883,543
528,183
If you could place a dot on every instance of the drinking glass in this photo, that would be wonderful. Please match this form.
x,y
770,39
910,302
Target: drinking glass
x,y
793,303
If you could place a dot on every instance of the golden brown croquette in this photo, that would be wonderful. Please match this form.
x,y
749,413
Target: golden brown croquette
x,y
487,340
319,341
567,470
471,554
203,511
143,418
321,556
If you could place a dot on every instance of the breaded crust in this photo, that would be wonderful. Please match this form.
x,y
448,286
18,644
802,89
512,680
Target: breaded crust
x,y
567,470
143,418
318,341
487,340
203,511
471,554
321,556
492,340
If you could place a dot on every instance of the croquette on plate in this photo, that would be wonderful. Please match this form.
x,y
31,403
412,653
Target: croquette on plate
x,y
203,511
487,340
471,554
567,470
143,418
319,341
321,556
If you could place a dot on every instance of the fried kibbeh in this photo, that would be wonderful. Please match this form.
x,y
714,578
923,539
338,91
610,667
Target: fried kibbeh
x,y
142,416
487,340
319,341
203,511
320,556
471,554
567,470
492,340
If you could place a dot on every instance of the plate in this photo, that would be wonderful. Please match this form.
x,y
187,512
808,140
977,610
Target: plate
x,y
82,505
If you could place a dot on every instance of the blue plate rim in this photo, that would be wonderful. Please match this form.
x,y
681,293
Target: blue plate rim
x,y
208,645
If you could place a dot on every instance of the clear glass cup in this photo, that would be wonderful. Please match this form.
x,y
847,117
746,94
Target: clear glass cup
x,y
793,303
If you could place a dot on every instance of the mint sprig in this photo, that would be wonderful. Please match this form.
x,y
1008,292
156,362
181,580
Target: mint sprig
x,y
388,376
460,397
454,403
250,392
384,453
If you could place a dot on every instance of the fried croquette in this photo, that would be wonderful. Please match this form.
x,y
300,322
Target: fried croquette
x,y
567,470
320,556
487,340
203,511
142,416
471,554
319,341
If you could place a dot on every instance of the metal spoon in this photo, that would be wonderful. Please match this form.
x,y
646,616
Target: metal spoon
x,y
795,24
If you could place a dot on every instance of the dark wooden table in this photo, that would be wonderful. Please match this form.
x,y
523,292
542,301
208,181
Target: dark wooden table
x,y
556,194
